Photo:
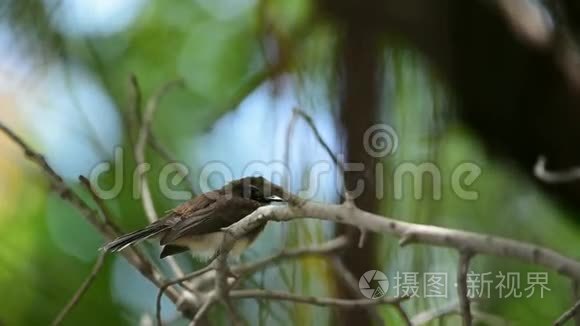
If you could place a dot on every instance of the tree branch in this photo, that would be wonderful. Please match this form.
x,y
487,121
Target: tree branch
x,y
462,292
414,233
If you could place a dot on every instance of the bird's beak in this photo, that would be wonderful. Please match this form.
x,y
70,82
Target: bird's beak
x,y
274,198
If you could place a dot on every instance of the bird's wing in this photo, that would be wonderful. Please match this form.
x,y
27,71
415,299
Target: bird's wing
x,y
188,222
212,218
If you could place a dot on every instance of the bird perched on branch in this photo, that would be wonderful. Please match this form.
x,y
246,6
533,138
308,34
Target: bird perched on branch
x,y
197,224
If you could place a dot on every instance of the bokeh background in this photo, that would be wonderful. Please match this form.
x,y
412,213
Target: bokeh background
x,y
64,87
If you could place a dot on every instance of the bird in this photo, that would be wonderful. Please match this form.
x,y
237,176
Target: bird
x,y
197,224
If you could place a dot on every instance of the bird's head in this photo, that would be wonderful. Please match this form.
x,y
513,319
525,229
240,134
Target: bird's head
x,y
258,189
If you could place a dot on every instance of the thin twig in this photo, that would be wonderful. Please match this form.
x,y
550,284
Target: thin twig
x,y
179,280
452,308
221,281
200,314
462,292
317,301
323,249
575,298
351,283
132,119
146,198
288,143
286,181
569,314
107,216
166,155
31,154
348,198
310,122
235,318
406,319
81,290
152,105
434,314
565,176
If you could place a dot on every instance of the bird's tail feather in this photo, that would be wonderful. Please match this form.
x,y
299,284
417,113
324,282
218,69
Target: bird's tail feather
x,y
128,239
